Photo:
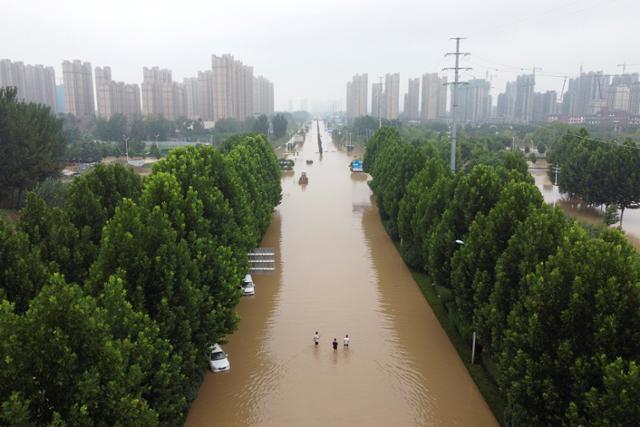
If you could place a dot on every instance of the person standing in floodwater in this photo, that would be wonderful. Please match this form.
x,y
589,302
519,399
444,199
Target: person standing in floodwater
x,y
335,344
316,338
345,341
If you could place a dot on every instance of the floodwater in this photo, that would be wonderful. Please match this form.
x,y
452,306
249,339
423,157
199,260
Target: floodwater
x,y
579,211
337,273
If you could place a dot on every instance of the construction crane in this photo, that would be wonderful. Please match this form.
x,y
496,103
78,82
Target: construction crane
x,y
624,66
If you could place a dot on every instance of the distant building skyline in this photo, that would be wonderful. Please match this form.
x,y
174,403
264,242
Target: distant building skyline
x,y
240,94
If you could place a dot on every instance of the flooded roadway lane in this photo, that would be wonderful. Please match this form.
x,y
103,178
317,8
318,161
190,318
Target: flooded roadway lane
x,y
338,273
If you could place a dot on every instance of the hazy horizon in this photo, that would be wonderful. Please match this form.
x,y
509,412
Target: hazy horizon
x,y
310,53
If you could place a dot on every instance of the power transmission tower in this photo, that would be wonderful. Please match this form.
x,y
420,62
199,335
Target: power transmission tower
x,y
454,101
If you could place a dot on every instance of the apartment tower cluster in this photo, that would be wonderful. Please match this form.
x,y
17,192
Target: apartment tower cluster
x,y
385,97
228,90
35,83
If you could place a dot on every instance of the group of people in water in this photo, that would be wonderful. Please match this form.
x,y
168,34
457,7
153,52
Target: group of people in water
x,y
345,341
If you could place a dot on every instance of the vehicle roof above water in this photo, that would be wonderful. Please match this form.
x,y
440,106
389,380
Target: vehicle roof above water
x,y
215,348
248,278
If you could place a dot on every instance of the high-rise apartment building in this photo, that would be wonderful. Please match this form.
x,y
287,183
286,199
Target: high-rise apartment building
x,y
507,102
162,96
357,96
35,83
77,78
634,99
412,100
262,96
198,96
474,101
115,97
619,93
392,95
516,103
377,101
523,107
619,97
434,96
544,104
586,95
232,88
191,97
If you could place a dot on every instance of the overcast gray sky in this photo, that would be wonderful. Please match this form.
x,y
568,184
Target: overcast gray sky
x,y
310,49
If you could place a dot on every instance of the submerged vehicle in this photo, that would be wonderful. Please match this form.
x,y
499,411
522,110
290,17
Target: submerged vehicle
x,y
285,164
304,179
218,360
356,166
248,288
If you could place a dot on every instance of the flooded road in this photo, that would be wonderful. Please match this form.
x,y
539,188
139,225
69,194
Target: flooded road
x,y
337,273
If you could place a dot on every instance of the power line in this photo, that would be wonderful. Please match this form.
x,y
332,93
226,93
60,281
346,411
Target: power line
x,y
572,11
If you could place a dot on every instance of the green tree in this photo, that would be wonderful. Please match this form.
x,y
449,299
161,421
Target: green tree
x,y
59,242
279,124
534,240
473,266
412,209
52,191
382,137
580,314
155,151
93,197
151,357
616,402
65,362
476,192
22,273
261,125
32,145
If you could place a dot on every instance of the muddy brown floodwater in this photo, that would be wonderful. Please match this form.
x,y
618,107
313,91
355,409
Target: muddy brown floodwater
x,y
337,273
581,212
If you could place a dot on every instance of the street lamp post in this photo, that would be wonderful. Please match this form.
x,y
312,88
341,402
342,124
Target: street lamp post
x,y
126,146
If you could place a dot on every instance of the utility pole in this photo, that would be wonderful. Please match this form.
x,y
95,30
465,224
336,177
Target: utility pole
x,y
379,103
454,101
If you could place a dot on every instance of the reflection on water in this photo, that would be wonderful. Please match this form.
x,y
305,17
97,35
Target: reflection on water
x,y
287,174
338,273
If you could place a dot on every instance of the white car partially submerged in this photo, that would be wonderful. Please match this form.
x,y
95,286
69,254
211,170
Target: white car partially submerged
x,y
247,285
218,360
